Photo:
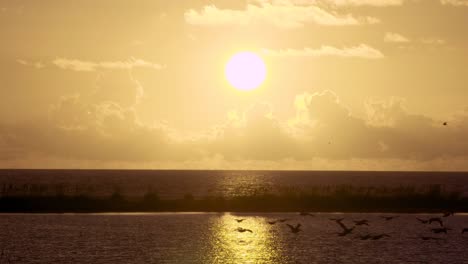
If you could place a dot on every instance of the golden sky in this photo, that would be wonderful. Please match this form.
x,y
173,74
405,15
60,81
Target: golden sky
x,y
350,84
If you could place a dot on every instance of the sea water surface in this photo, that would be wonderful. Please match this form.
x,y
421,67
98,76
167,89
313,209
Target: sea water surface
x,y
213,238
174,184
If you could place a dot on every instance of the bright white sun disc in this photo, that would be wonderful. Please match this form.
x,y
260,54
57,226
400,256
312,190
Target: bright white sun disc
x,y
245,71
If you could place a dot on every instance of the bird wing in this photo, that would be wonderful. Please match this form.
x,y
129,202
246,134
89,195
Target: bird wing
x,y
290,226
342,225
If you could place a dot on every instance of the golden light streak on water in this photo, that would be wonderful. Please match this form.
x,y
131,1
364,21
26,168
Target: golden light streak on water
x,y
231,246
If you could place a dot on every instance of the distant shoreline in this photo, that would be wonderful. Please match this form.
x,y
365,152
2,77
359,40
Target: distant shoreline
x,y
62,191
227,170
215,212
338,200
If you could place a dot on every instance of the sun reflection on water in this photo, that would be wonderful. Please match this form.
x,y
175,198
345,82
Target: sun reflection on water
x,y
231,246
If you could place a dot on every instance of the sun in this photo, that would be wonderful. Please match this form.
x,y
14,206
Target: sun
x,y
245,71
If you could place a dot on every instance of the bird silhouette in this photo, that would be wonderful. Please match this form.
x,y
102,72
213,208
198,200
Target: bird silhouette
x,y
361,222
242,230
440,230
423,221
294,229
305,214
436,219
388,218
272,222
447,214
365,237
239,220
464,230
377,237
430,238
346,230
445,123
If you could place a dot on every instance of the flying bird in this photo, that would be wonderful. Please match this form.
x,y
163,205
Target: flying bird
x,y
365,237
436,219
423,221
294,229
272,222
346,230
305,214
242,230
445,123
430,238
239,220
388,218
440,230
377,237
361,222
447,214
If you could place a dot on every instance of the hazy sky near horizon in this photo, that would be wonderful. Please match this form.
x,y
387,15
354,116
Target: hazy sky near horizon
x,y
351,84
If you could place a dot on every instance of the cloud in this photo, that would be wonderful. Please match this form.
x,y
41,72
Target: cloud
x,y
81,65
324,128
454,2
433,41
117,86
37,64
376,3
395,38
105,131
254,135
323,132
281,14
361,51
391,37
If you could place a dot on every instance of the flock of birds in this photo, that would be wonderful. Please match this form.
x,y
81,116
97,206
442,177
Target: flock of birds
x,y
347,230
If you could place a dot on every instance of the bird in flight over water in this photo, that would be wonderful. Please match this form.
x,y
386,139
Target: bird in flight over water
x,y
377,237
242,230
361,222
346,230
388,218
436,219
423,221
447,214
294,229
440,230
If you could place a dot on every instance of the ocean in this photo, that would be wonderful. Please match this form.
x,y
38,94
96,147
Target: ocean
x,y
219,237
174,184
180,238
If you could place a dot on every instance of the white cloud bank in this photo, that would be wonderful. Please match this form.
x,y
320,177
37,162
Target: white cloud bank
x,y
395,38
82,65
280,14
361,51
322,132
454,2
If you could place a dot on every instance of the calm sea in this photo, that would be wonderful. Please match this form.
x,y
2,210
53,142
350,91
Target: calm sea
x,y
213,238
